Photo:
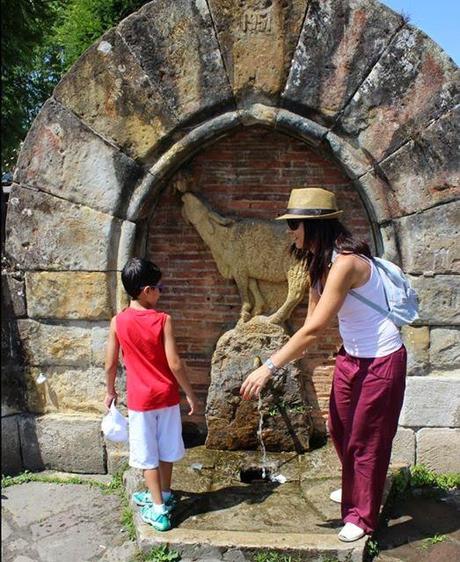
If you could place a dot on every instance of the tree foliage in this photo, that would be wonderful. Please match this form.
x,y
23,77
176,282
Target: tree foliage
x,y
41,39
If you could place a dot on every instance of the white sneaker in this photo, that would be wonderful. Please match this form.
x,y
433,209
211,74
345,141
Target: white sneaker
x,y
336,496
351,532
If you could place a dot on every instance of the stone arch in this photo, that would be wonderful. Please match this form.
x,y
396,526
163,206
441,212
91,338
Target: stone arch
x,y
349,77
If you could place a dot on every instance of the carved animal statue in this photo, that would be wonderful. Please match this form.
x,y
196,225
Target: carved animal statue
x,y
248,251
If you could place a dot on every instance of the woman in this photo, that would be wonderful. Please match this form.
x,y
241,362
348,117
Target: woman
x,y
369,376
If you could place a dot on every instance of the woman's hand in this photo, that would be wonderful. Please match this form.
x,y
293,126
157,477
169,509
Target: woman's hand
x,y
254,383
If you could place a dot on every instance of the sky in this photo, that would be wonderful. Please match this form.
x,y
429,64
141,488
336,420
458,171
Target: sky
x,y
440,19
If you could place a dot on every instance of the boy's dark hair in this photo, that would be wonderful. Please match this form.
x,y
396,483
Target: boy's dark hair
x,y
138,273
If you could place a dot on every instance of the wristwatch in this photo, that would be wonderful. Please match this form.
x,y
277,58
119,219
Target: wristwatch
x,y
271,366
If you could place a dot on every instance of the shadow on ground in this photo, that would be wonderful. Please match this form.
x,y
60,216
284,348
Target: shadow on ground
x,y
423,526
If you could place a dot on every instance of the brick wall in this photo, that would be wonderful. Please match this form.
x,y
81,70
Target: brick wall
x,y
248,173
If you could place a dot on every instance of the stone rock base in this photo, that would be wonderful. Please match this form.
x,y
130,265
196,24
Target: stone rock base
x,y
232,422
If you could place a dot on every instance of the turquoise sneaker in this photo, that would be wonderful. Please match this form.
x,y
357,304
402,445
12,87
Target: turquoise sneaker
x,y
159,521
145,498
142,498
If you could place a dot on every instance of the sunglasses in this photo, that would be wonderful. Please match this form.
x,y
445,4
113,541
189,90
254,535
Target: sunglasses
x,y
160,286
293,224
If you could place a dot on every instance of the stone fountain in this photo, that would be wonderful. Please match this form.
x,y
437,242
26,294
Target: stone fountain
x,y
249,251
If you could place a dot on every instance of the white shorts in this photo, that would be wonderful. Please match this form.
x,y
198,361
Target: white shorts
x,y
154,436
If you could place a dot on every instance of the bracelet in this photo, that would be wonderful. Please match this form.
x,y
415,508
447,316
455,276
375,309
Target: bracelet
x,y
271,366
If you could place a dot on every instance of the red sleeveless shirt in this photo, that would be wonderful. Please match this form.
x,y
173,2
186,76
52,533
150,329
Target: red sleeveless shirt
x,y
149,380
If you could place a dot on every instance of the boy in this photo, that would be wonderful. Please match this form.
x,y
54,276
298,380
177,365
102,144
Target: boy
x,y
154,372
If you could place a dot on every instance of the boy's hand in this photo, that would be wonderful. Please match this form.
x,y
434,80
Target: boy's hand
x,y
109,398
193,403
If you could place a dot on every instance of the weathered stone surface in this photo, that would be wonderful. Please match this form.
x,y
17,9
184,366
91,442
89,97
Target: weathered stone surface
x,y
424,253
147,192
69,295
417,341
65,390
14,289
403,450
71,443
99,336
412,84
339,44
108,90
378,196
87,241
439,299
431,401
233,422
301,127
257,41
11,446
176,47
426,171
355,161
438,449
63,157
117,455
126,247
390,246
445,348
50,344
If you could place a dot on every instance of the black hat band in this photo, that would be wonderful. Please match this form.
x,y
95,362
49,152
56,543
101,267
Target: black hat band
x,y
316,212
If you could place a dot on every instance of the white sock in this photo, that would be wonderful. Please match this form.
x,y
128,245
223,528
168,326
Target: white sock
x,y
166,494
159,509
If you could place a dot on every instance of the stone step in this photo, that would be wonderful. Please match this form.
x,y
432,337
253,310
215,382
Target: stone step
x,y
240,545
219,517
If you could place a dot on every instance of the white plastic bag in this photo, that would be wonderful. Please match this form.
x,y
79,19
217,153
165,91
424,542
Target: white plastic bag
x,y
114,425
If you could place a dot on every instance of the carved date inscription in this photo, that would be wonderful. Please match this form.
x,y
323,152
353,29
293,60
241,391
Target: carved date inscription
x,y
259,21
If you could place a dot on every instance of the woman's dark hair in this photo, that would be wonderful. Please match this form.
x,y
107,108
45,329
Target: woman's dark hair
x,y
138,273
326,235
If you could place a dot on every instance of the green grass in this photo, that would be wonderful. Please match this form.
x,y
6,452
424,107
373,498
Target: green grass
x,y
436,539
158,554
421,477
267,556
27,476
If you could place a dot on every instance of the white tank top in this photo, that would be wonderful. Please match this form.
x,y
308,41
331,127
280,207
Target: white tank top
x,y
364,331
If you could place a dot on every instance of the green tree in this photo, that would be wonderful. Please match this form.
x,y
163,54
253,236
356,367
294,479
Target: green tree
x,y
29,71
84,21
41,39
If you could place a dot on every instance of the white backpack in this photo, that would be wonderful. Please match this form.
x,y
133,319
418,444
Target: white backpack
x,y
401,298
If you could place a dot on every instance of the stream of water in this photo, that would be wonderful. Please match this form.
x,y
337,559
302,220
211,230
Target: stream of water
x,y
260,436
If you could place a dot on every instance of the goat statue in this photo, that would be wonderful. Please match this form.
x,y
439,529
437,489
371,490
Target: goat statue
x,y
248,251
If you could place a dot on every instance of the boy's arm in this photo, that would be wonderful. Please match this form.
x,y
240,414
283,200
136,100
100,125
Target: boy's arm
x,y
177,366
111,363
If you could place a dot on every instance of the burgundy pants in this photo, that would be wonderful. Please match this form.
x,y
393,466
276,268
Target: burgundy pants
x,y
366,399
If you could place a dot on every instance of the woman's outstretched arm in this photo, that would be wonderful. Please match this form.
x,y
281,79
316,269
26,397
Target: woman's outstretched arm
x,y
341,278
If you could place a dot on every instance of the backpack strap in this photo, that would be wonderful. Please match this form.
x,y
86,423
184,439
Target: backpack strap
x,y
370,303
376,307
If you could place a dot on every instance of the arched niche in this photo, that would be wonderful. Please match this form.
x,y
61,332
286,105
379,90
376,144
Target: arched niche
x,y
349,77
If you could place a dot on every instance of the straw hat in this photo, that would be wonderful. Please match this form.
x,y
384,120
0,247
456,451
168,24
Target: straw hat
x,y
311,203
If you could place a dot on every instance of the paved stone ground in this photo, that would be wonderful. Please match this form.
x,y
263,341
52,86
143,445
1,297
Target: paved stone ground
x,y
50,522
